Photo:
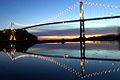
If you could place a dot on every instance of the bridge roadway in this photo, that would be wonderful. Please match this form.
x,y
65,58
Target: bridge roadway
x,y
71,21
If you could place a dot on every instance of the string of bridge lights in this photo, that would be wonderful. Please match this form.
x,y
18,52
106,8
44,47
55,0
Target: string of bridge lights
x,y
77,4
62,13
53,61
70,69
70,9
107,71
101,5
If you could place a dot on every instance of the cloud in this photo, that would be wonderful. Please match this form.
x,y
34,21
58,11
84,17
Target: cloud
x,y
76,31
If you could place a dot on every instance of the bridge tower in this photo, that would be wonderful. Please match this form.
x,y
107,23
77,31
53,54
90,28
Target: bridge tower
x,y
12,36
82,40
82,31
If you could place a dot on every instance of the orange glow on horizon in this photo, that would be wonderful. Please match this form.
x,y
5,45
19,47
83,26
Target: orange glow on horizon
x,y
67,37
57,37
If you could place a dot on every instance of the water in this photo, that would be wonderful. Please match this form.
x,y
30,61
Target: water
x,y
62,62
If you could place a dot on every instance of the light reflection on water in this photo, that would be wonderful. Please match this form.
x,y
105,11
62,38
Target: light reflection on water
x,y
41,67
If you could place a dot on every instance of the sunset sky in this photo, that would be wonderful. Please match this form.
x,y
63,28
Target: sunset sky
x,y
30,12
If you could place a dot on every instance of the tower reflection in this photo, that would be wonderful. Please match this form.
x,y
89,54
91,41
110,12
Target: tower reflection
x,y
82,64
11,49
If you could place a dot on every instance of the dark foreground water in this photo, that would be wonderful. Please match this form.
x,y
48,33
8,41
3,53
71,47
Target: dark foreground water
x,y
62,62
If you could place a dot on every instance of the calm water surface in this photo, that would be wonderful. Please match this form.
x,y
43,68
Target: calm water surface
x,y
62,62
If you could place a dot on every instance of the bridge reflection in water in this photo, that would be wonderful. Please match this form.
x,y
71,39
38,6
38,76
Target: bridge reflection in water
x,y
11,50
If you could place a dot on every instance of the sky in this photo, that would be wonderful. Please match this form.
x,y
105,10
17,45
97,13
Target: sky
x,y
30,12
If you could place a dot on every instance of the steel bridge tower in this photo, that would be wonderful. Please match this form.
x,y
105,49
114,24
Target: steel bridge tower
x,y
82,40
82,31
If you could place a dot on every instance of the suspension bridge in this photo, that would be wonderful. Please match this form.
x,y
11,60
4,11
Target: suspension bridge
x,y
14,35
81,39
